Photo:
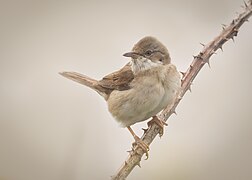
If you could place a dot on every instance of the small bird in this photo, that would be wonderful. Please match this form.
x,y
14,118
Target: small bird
x,y
141,89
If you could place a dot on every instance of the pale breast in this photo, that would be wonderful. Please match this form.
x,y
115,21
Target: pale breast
x,y
149,95
134,105
171,80
172,84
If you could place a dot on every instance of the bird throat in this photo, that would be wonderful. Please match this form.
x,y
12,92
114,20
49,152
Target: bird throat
x,y
142,64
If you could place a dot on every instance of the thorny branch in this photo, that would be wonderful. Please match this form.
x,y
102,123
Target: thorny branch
x,y
228,32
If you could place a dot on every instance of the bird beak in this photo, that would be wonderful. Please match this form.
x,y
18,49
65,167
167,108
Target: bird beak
x,y
133,55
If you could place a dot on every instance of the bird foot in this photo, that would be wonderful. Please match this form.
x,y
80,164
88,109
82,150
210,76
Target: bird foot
x,y
160,123
142,145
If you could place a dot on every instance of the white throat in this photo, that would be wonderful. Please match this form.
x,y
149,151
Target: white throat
x,y
141,64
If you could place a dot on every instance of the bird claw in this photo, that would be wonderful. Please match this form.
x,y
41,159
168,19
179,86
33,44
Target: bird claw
x,y
142,145
160,123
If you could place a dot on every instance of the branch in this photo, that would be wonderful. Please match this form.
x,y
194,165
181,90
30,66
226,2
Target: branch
x,y
228,32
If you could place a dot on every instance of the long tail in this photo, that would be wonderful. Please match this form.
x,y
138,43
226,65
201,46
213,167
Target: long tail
x,y
87,81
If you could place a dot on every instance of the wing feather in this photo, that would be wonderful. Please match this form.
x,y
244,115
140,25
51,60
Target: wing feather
x,y
119,80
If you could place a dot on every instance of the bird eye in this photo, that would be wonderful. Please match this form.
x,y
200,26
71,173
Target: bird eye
x,y
148,52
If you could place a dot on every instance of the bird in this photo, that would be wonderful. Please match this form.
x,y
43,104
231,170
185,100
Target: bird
x,y
141,89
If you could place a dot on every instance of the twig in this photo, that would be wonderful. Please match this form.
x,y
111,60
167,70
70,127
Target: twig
x,y
228,32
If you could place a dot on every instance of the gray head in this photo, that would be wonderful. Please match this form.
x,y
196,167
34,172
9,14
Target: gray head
x,y
150,48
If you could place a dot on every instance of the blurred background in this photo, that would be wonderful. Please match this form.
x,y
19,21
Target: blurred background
x,y
54,129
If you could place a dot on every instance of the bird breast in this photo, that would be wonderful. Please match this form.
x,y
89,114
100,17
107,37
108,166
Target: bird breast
x,y
151,91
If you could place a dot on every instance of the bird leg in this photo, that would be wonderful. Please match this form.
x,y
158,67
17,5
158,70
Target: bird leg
x,y
139,142
159,122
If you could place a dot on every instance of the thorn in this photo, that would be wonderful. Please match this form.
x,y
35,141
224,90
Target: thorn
x,y
221,48
145,130
233,22
134,144
198,56
246,20
138,164
235,32
226,39
246,5
208,62
130,151
209,65
174,112
202,44
233,38
223,28
125,163
183,73
213,52
189,87
191,66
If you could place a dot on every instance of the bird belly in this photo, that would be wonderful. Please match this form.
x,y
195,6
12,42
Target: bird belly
x,y
167,99
137,104
145,99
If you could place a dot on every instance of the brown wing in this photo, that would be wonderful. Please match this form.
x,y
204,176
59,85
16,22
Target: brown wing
x,y
119,80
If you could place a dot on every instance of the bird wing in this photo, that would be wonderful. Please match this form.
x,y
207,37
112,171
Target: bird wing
x,y
119,80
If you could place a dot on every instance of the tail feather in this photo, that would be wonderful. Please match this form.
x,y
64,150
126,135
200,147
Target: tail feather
x,y
87,81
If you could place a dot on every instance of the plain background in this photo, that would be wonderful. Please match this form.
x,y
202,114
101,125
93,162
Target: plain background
x,y
55,129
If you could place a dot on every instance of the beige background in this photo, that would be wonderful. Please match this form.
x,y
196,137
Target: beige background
x,y
54,129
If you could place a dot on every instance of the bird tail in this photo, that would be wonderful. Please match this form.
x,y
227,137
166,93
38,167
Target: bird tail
x,y
87,81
